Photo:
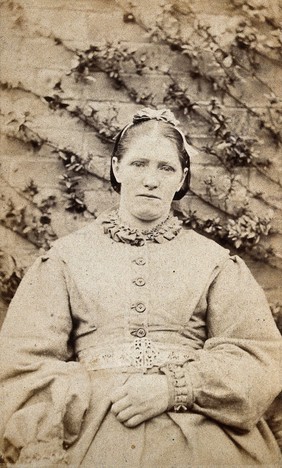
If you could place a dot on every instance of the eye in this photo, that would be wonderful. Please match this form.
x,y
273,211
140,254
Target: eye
x,y
167,168
138,163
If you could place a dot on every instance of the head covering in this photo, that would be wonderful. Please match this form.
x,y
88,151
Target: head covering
x,y
162,115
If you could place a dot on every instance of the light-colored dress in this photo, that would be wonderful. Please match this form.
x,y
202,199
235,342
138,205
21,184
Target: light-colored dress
x,y
105,303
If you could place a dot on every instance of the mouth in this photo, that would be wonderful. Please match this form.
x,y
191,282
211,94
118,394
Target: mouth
x,y
148,195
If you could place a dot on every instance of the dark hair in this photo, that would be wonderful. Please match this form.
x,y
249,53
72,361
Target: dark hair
x,y
167,130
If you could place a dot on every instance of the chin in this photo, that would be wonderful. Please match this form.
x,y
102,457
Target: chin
x,y
148,215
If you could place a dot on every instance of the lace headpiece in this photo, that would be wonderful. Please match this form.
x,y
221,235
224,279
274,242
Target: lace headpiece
x,y
163,115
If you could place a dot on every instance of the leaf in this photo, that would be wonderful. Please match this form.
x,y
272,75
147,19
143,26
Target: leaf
x,y
27,229
80,202
238,243
75,62
228,61
91,78
48,98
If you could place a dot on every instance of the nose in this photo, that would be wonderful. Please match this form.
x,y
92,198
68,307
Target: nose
x,y
151,180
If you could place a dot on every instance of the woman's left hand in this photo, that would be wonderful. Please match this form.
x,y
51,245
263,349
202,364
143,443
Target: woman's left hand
x,y
140,398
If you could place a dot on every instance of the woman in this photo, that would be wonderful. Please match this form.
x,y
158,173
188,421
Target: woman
x,y
134,342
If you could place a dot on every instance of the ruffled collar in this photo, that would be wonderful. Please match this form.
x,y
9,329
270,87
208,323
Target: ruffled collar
x,y
120,232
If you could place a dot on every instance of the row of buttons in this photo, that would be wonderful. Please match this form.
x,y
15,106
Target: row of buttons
x,y
139,307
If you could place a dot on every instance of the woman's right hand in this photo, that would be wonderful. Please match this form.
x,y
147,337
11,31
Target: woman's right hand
x,y
140,398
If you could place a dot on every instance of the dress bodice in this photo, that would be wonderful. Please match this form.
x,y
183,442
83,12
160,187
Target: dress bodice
x,y
138,303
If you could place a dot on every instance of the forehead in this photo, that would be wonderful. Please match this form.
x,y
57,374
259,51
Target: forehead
x,y
151,146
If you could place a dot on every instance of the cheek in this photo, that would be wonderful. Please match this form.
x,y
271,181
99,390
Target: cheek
x,y
172,184
128,180
125,175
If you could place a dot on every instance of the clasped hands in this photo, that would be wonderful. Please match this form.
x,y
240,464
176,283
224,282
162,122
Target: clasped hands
x,y
140,398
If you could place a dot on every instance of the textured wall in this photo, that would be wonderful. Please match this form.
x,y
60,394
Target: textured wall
x,y
33,61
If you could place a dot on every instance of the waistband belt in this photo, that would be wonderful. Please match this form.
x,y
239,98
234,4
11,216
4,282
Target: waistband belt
x,y
142,353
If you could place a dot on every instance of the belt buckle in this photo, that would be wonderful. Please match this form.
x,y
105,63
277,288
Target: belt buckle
x,y
143,353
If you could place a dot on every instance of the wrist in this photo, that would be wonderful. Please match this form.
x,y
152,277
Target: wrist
x,y
180,393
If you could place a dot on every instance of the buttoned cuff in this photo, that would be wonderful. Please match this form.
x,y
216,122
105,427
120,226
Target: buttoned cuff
x,y
180,390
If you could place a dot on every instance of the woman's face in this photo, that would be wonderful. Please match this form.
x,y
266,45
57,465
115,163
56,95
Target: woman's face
x,y
150,173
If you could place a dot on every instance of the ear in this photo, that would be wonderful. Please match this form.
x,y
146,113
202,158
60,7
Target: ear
x,y
184,174
115,167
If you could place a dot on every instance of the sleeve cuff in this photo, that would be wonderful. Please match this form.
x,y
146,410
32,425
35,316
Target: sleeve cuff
x,y
180,390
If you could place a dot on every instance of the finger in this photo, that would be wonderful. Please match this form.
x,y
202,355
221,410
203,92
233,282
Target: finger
x,y
134,421
120,405
126,414
118,394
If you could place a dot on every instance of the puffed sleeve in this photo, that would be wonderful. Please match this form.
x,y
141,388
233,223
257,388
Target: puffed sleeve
x,y
44,395
236,376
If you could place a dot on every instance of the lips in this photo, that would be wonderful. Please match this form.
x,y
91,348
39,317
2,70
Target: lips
x,y
148,195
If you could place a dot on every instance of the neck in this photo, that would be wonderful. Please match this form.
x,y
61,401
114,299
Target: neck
x,y
140,223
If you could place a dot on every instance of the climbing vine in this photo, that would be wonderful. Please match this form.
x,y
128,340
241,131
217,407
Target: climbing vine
x,y
31,219
217,65
105,126
115,60
10,276
243,231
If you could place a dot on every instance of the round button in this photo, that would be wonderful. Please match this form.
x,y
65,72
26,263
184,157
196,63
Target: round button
x,y
140,261
141,333
140,308
139,281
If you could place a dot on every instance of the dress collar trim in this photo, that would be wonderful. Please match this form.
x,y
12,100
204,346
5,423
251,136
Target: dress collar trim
x,y
120,232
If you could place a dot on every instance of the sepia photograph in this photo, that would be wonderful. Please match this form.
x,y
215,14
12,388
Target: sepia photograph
x,y
140,233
